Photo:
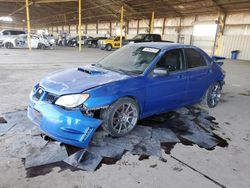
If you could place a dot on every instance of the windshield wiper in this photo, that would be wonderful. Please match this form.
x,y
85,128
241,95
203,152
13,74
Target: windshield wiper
x,y
135,72
127,72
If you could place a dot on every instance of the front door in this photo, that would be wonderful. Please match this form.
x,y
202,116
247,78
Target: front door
x,y
169,91
117,42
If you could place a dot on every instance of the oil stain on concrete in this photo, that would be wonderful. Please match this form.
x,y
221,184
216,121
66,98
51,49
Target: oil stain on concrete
x,y
189,126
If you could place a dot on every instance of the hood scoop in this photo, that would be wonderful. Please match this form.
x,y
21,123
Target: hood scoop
x,y
90,72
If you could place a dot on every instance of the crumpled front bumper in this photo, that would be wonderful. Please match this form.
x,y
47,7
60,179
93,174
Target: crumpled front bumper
x,y
68,126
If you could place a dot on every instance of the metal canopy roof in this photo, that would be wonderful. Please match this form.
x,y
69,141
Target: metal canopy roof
x,y
58,12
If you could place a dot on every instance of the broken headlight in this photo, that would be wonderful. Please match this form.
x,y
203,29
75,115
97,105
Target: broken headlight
x,y
72,101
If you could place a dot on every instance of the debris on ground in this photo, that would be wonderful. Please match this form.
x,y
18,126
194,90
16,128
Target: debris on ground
x,y
191,125
52,152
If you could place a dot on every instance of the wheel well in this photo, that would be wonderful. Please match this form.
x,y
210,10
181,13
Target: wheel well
x,y
135,99
97,111
8,43
221,83
110,45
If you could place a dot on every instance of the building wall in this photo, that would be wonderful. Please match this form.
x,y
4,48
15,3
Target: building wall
x,y
237,36
180,29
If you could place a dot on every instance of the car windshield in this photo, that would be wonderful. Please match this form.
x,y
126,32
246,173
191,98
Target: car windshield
x,y
130,59
139,37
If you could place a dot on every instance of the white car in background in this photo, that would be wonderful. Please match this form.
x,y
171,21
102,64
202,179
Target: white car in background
x,y
21,41
8,33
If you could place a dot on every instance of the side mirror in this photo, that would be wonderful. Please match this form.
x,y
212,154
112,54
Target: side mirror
x,y
160,72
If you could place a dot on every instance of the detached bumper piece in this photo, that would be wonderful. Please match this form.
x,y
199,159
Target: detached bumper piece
x,y
84,160
67,126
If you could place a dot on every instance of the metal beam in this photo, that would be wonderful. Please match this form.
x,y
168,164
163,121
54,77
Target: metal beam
x,y
121,26
218,7
152,22
163,26
138,26
220,32
104,8
80,24
28,23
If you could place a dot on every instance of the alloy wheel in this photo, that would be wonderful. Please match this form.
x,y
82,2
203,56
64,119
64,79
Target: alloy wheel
x,y
124,118
215,95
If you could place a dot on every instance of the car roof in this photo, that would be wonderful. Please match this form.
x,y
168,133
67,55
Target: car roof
x,y
161,45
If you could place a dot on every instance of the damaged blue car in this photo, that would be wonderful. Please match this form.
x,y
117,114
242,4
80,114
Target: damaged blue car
x,y
134,82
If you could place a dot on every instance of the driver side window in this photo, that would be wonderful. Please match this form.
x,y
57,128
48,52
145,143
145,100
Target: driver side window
x,y
172,61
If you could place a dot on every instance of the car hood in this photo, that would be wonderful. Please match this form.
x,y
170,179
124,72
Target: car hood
x,y
77,80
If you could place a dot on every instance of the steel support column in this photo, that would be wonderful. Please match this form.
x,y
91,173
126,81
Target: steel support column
x,y
152,22
219,34
28,23
80,24
121,26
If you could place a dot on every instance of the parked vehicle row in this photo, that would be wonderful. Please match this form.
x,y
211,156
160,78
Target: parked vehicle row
x,y
18,39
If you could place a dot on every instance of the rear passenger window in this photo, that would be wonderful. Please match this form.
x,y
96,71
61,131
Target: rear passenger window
x,y
14,33
20,32
194,58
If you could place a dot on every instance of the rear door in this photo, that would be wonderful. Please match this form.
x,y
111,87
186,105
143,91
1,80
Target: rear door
x,y
199,74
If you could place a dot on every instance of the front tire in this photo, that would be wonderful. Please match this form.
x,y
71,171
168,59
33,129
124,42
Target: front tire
x,y
108,47
212,96
121,117
9,45
41,46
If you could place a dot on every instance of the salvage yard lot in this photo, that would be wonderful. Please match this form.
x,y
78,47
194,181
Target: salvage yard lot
x,y
186,166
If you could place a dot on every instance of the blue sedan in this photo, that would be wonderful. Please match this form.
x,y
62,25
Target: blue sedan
x,y
134,82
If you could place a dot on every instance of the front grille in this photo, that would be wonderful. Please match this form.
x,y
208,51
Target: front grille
x,y
51,98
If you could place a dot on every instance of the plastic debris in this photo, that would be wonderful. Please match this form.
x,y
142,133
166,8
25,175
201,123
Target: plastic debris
x,y
106,150
164,135
149,147
50,153
84,160
126,142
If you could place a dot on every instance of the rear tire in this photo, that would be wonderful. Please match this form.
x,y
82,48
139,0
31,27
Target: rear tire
x,y
8,45
121,117
212,96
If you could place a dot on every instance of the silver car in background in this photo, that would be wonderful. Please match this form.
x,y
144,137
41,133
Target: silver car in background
x,y
9,33
21,41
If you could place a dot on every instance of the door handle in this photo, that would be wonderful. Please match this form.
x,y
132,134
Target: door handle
x,y
180,76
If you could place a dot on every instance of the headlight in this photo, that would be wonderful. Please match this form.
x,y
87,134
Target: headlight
x,y
72,101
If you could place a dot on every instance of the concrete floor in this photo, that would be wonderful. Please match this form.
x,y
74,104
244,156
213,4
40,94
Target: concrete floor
x,y
20,70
